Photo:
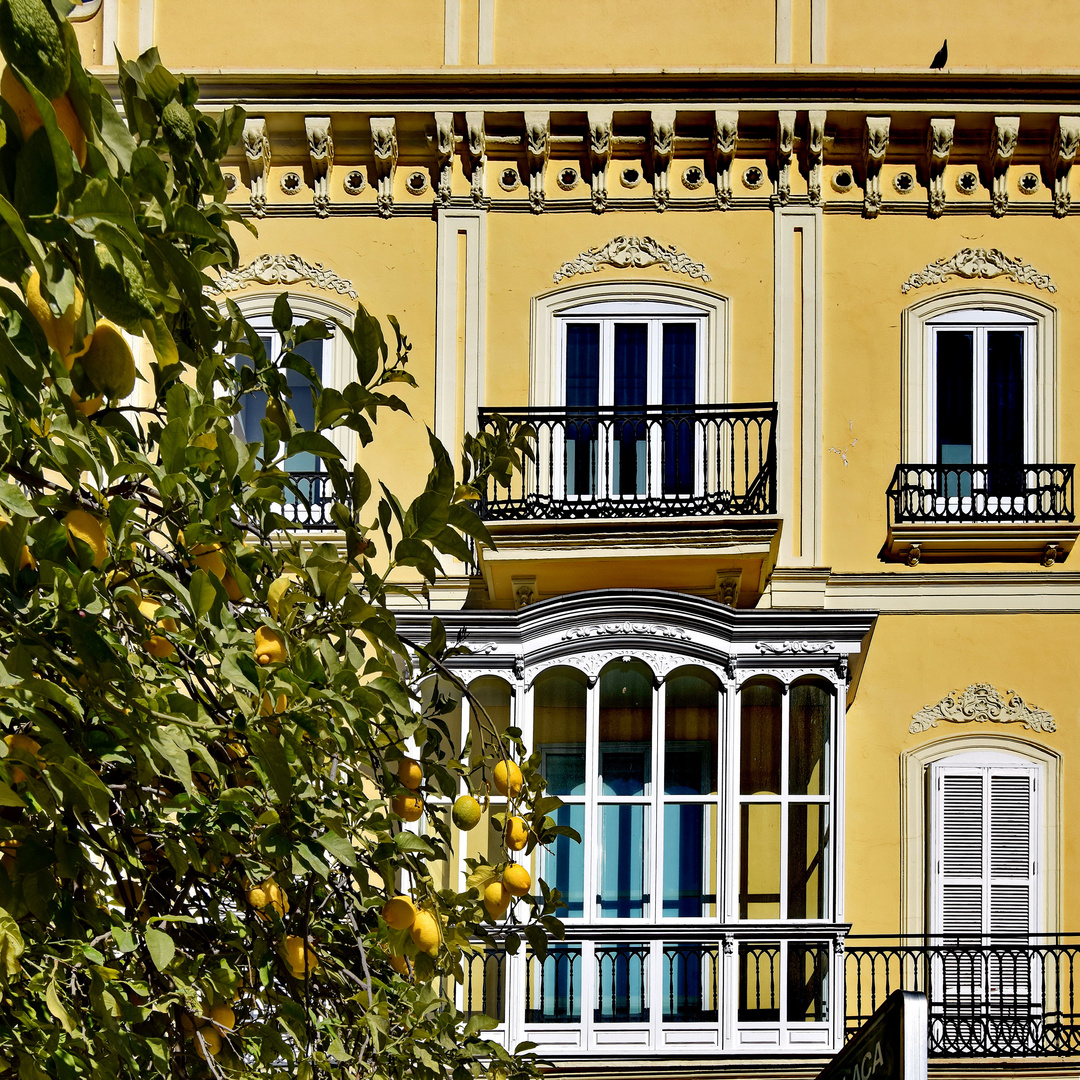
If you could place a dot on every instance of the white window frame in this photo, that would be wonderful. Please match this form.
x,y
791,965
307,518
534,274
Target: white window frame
x,y
977,307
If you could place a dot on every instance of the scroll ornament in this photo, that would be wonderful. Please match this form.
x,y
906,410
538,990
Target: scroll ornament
x,y
980,703
282,270
636,251
979,263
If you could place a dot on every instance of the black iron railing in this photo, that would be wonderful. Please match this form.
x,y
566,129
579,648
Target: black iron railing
x,y
651,462
988,996
310,507
974,493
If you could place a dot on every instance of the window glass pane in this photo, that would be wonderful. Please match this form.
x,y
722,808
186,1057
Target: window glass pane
x,y
808,969
806,861
680,344
563,863
302,403
622,976
1005,410
441,701
690,733
809,735
626,695
955,409
691,983
689,860
760,757
559,726
759,864
630,395
492,695
582,365
624,836
759,982
553,986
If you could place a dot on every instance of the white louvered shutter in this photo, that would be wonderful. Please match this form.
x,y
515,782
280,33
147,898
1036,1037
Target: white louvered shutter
x,y
983,856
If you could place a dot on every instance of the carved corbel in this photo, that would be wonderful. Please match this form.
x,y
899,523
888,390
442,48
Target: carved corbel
x,y
815,149
537,144
444,155
785,143
661,145
320,139
725,141
384,143
257,152
875,145
728,583
477,148
1003,137
524,590
1066,142
939,140
599,155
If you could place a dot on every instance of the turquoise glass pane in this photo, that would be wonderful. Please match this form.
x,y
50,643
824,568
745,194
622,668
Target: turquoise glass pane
x,y
622,862
564,863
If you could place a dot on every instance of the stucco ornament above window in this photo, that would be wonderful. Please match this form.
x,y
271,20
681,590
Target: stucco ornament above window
x,y
979,263
638,251
980,703
282,270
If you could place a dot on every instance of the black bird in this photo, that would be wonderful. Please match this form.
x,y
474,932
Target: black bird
x,y
941,57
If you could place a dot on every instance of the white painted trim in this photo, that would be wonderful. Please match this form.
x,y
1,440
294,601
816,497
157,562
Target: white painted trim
x,y
914,834
146,25
544,361
818,31
110,22
783,31
799,467
915,420
339,362
967,593
485,46
452,32
473,225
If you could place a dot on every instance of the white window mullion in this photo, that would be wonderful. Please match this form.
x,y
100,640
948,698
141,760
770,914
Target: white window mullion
x,y
590,839
980,451
785,725
657,809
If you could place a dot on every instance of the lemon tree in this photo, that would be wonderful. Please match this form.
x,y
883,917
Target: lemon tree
x,y
211,736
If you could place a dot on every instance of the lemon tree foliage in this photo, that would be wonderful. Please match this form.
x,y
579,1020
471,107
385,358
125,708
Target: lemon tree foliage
x,y
212,737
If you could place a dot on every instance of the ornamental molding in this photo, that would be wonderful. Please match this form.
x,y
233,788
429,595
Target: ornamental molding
x,y
599,156
624,252
789,648
282,269
320,137
676,633
979,263
980,703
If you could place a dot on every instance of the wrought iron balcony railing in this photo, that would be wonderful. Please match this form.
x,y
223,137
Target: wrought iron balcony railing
x,y
311,511
987,996
696,460
621,990
981,493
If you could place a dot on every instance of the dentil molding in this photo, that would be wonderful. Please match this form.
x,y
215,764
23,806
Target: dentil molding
x,y
638,251
980,703
282,269
979,263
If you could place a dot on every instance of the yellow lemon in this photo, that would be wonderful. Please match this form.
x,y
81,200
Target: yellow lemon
x,y
299,958
425,932
59,332
207,1042
516,879
497,899
89,406
400,965
82,525
269,707
407,807
508,779
25,747
16,95
232,589
269,646
268,895
466,813
516,833
399,913
190,1024
157,644
208,557
409,773
223,1017
109,363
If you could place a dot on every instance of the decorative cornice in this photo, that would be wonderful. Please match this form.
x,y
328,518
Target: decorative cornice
x,y
626,628
282,269
979,263
788,648
980,703
632,251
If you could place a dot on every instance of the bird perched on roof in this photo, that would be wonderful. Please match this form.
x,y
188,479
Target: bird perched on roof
x,y
941,57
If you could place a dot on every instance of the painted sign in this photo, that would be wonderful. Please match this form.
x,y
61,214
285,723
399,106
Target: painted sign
x,y
891,1045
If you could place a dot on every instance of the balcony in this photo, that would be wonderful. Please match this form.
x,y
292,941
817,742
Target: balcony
x,y
984,512
704,991
682,491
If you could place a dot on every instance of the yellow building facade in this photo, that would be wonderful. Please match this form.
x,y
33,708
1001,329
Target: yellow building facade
x,y
786,600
